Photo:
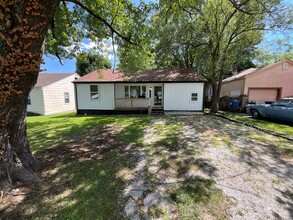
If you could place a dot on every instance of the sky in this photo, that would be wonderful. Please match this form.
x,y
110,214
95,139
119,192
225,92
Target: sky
x,y
52,64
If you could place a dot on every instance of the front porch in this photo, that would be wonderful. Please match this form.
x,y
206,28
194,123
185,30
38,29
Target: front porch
x,y
134,97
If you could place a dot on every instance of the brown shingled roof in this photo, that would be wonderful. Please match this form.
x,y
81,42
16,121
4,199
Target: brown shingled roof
x,y
102,75
163,75
45,79
240,75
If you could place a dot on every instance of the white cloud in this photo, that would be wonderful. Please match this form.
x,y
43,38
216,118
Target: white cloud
x,y
104,47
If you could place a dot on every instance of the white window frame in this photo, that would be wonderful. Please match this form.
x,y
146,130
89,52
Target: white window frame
x,y
196,96
66,97
94,94
29,100
141,91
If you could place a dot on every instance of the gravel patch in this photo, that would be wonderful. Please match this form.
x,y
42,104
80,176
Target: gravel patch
x,y
144,198
258,180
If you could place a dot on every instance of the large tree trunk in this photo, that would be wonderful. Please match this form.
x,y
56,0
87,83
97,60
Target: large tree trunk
x,y
215,99
18,162
23,26
217,86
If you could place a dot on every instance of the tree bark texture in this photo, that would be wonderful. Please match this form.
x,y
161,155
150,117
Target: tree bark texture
x,y
23,26
215,99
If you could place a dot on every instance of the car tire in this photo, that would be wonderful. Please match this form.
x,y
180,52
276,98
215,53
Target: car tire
x,y
255,114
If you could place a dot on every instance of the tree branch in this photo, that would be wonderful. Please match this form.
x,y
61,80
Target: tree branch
x,y
54,36
194,45
91,12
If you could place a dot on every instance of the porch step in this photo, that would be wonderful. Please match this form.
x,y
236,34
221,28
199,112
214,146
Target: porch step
x,y
157,111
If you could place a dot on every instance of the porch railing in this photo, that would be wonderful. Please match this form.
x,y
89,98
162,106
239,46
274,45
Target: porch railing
x,y
132,103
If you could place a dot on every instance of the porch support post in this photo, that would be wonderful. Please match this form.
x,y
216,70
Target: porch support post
x,y
149,108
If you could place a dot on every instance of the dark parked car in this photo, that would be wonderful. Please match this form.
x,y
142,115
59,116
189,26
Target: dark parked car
x,y
279,110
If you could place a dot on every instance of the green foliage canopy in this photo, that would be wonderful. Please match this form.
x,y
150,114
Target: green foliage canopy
x,y
88,62
76,20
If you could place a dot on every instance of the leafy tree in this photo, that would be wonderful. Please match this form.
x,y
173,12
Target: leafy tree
x,y
133,59
87,62
211,36
268,54
24,24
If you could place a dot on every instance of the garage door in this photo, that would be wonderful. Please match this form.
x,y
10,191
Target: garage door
x,y
262,95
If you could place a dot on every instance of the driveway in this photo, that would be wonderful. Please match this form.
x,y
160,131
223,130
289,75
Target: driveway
x,y
252,169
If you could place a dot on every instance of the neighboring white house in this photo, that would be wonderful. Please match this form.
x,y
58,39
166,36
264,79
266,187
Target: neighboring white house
x,y
53,93
105,91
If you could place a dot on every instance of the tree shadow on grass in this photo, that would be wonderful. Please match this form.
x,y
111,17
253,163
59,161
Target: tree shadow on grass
x,y
79,174
48,131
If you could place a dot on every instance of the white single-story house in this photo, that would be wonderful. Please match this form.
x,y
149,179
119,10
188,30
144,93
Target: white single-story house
x,y
52,94
105,91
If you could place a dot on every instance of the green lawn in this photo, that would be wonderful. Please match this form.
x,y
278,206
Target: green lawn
x,y
81,161
79,180
273,126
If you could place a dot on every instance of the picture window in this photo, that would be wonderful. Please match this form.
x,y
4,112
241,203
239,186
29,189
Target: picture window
x,y
135,91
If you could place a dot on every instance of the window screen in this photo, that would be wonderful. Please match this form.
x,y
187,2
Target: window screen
x,y
126,91
94,91
66,97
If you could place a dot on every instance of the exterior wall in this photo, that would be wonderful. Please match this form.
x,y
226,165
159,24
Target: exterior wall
x,y
233,88
177,96
37,101
104,102
274,77
54,96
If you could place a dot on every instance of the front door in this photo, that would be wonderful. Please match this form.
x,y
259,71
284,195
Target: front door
x,y
158,96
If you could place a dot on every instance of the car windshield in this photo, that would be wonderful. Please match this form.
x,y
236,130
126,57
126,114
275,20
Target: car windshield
x,y
283,102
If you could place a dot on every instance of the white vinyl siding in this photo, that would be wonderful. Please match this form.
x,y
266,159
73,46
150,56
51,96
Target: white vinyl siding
x,y
177,96
37,101
104,102
54,96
